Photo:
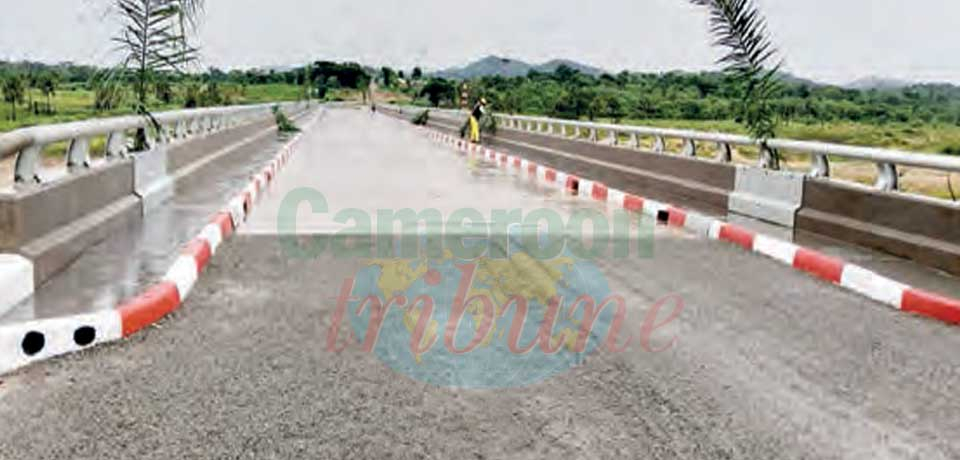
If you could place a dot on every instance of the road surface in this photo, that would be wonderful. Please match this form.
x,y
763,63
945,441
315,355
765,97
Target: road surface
x,y
766,362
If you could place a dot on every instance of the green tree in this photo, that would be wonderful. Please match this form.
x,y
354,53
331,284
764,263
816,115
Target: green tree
x,y
438,90
417,73
154,40
13,91
738,26
389,77
48,86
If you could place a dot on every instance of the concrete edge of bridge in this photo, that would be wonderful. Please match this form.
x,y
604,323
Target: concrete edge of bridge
x,y
836,271
34,341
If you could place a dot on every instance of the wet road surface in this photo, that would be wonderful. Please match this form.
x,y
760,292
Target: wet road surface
x,y
764,362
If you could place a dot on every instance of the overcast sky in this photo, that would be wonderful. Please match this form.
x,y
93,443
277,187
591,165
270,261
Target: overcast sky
x,y
829,40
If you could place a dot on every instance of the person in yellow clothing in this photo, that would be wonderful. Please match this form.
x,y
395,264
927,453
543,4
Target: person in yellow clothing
x,y
478,110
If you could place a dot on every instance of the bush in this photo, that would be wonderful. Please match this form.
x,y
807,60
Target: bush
x,y
284,125
422,118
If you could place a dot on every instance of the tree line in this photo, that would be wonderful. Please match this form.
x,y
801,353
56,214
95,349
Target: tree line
x,y
567,93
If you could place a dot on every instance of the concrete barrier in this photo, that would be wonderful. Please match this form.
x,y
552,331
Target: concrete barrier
x,y
770,196
16,277
697,183
152,183
52,224
909,226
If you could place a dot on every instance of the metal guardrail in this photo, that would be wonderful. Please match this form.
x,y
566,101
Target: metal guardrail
x,y
886,160
29,143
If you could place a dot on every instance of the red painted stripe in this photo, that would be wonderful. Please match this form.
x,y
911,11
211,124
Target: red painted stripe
x,y
516,163
677,217
148,308
199,248
819,265
633,203
551,175
600,191
931,305
738,236
532,169
503,158
225,221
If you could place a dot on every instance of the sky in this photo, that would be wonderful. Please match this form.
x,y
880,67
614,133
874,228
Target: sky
x,y
835,41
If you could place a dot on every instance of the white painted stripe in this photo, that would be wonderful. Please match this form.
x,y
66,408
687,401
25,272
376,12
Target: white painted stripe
x,y
58,337
525,165
652,208
213,235
561,179
542,174
715,228
16,280
251,188
872,285
184,274
780,250
585,189
615,197
699,224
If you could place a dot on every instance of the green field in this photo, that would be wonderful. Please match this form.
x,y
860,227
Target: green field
x,y
72,104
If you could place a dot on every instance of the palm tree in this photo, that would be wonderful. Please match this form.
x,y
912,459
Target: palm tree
x,y
13,93
154,40
738,26
48,85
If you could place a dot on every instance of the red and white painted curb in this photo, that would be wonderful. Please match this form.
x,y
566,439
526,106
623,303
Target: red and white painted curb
x,y
849,276
28,342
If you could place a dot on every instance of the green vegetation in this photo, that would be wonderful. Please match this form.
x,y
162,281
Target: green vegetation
x,y
80,92
738,26
924,117
422,118
284,125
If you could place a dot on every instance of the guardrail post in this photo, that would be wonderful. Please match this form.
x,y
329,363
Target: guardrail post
x,y
116,144
768,158
26,168
78,154
820,166
659,145
634,140
194,126
613,137
887,179
724,152
593,134
181,130
689,148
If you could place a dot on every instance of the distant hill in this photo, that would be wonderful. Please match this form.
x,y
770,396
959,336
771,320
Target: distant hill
x,y
551,66
507,67
878,83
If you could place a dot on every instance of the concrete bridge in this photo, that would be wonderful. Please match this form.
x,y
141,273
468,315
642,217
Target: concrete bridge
x,y
773,315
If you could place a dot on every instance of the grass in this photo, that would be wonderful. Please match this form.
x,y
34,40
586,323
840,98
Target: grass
x,y
73,104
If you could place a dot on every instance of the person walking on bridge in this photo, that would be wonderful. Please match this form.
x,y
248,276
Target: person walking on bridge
x,y
479,109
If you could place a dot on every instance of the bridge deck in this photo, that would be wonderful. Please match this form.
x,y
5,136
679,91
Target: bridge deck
x,y
767,363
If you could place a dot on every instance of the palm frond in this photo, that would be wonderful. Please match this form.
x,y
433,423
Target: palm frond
x,y
738,26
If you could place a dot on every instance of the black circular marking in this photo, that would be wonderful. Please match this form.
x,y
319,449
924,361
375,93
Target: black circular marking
x,y
663,216
84,336
33,343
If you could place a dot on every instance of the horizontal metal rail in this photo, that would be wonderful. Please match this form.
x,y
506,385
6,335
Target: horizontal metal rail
x,y
885,160
29,143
